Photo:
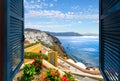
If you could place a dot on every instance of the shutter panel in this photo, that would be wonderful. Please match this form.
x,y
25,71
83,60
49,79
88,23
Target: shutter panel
x,y
14,37
110,39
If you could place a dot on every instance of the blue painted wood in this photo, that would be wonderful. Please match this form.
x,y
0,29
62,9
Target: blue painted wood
x,y
110,39
14,37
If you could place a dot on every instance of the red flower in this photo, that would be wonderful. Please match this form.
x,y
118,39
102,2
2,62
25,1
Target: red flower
x,y
35,58
32,63
41,57
67,79
64,75
53,72
64,78
36,65
42,65
43,77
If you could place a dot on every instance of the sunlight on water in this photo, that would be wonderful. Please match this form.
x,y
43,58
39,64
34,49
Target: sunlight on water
x,y
84,49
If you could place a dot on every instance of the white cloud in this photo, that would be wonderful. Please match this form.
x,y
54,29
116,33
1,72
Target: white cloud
x,y
51,5
38,1
88,13
33,4
79,22
44,4
75,7
45,14
90,9
44,25
58,14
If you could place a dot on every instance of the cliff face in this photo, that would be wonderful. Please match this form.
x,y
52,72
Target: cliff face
x,y
65,34
46,39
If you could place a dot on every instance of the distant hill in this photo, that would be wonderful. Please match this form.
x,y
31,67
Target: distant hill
x,y
65,34
90,34
29,29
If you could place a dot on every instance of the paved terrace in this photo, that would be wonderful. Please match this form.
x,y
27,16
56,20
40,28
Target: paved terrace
x,y
76,70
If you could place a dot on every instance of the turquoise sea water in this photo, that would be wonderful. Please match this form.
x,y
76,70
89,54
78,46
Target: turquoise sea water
x,y
83,49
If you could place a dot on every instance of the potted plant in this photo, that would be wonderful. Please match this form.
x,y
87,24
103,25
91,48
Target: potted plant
x,y
51,75
38,64
68,77
28,73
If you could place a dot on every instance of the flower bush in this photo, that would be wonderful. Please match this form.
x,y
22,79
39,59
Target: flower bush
x,y
37,63
68,77
31,69
28,73
54,75
51,75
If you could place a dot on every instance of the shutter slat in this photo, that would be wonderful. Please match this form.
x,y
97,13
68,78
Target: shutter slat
x,y
109,57
15,6
110,39
15,40
109,4
109,73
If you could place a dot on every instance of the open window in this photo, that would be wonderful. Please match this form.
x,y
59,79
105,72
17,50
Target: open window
x,y
13,30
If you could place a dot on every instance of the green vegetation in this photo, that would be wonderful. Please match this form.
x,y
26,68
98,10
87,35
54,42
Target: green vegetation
x,y
54,75
32,69
31,44
28,73
37,63
51,75
68,77
32,55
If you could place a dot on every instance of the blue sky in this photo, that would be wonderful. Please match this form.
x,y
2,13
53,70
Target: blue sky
x,y
62,15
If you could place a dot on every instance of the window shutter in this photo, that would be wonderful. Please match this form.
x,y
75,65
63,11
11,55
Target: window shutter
x,y
110,39
14,37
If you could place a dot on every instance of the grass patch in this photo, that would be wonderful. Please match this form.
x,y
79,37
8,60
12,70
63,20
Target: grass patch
x,y
31,44
32,55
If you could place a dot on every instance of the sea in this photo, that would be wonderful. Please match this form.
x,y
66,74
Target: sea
x,y
84,49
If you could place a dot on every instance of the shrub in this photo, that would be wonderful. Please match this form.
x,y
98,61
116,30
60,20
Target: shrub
x,y
31,44
68,77
28,73
32,55
37,63
51,75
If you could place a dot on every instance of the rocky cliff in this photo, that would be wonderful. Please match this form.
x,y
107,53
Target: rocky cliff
x,y
46,39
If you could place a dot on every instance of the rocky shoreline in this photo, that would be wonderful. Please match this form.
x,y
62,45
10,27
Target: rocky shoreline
x,y
59,48
33,35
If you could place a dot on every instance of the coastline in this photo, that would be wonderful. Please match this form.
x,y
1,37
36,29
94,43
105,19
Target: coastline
x,y
61,39
73,60
79,64
53,42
